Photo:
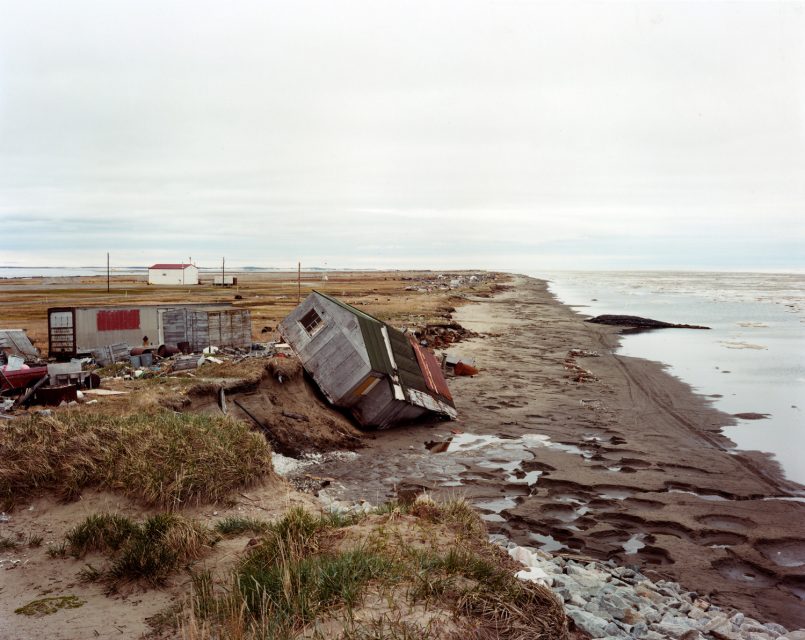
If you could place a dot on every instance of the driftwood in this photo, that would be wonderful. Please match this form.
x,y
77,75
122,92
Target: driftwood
x,y
640,323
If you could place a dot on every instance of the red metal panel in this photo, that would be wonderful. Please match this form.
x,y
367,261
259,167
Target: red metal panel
x,y
431,371
118,320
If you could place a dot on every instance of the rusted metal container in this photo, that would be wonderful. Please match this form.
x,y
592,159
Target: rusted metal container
x,y
54,396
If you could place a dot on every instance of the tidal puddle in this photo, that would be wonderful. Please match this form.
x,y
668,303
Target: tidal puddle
x,y
497,505
547,543
616,494
634,544
704,496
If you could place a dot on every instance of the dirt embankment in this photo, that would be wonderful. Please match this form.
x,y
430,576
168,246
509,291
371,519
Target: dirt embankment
x,y
276,398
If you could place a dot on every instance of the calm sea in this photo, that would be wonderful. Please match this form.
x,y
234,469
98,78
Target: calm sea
x,y
753,359
63,272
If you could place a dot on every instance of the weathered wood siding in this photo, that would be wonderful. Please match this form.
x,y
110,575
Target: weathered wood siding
x,y
380,408
230,328
202,328
335,355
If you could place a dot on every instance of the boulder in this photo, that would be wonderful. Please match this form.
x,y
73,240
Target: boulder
x,y
588,622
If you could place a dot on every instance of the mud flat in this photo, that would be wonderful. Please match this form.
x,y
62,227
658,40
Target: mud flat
x,y
570,448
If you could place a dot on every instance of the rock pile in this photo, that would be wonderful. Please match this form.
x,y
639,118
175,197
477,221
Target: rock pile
x,y
610,601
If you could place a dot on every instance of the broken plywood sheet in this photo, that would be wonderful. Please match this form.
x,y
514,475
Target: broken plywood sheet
x,y
16,343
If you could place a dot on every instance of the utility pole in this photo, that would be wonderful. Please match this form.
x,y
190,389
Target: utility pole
x,y
298,282
107,272
223,271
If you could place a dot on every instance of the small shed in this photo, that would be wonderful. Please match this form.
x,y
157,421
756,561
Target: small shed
x,y
360,363
175,274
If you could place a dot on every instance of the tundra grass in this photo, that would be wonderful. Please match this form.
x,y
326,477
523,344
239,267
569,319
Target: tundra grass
x,y
148,551
238,525
160,458
7,544
310,575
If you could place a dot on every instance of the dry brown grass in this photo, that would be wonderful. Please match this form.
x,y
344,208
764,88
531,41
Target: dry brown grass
x,y
268,296
158,458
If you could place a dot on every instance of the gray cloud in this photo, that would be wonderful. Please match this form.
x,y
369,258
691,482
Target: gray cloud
x,y
404,133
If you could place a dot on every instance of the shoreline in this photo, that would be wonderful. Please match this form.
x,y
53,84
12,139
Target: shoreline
x,y
633,457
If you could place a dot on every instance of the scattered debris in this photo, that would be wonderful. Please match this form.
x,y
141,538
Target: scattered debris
x,y
183,363
443,334
104,392
576,372
462,369
583,353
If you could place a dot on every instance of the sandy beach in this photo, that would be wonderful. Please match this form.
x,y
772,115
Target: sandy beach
x,y
567,446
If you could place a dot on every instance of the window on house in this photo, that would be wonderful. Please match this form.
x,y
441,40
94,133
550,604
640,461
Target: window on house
x,y
311,322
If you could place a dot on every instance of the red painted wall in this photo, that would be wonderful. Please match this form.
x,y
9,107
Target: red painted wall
x,y
118,320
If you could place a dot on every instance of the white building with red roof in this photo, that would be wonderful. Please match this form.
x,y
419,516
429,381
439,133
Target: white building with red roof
x,y
174,274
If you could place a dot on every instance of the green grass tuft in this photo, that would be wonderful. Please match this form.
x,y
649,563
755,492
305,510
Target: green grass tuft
x,y
100,532
149,551
35,540
237,525
7,544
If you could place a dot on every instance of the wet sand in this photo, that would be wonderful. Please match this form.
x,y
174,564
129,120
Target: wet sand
x,y
598,455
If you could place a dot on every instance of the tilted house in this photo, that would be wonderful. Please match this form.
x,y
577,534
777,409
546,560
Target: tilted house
x,y
360,363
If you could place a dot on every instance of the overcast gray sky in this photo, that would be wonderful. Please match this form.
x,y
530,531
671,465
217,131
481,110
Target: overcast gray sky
x,y
502,134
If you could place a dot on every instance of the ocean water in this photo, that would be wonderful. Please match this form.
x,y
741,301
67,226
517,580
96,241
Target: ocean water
x,y
751,361
63,272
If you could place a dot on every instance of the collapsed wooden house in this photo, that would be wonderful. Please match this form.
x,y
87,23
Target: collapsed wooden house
x,y
360,363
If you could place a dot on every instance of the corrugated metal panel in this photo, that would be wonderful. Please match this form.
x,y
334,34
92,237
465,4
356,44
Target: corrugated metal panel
x,y
371,330
407,365
118,320
432,371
